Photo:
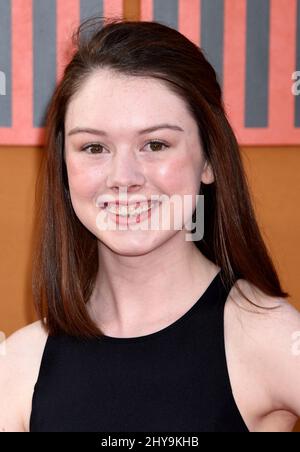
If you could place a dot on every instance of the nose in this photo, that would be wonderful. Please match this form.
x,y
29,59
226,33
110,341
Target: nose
x,y
124,171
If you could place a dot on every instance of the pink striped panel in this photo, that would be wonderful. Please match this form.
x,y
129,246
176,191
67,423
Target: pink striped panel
x,y
281,129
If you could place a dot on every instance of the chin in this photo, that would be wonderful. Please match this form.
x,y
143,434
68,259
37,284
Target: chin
x,y
133,244
129,250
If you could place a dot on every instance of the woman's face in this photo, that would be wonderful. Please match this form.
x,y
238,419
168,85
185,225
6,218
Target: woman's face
x,y
122,162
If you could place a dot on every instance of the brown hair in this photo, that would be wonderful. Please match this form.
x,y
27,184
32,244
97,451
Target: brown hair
x,y
65,257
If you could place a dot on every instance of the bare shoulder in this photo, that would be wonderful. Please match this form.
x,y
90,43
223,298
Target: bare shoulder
x,y
264,345
276,316
28,334
19,366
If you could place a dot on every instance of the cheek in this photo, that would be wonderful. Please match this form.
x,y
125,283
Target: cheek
x,y
180,175
83,179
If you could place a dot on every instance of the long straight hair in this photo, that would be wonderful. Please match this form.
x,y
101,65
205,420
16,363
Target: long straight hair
x,y
65,263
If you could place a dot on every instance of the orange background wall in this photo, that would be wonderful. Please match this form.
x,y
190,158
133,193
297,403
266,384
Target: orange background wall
x,y
274,178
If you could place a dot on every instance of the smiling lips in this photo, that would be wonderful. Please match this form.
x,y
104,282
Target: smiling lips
x,y
129,210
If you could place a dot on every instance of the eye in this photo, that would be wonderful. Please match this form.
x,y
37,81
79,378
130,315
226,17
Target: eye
x,y
157,145
93,148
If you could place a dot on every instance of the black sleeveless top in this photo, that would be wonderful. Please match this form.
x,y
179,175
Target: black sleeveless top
x,y
173,380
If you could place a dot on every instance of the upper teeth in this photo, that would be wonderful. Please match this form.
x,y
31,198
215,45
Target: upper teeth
x,y
129,210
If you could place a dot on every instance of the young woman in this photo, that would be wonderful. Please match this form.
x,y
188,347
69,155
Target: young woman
x,y
144,329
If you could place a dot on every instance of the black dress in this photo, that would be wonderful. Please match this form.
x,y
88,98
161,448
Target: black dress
x,y
173,380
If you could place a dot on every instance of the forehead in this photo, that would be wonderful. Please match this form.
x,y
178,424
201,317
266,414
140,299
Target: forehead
x,y
106,97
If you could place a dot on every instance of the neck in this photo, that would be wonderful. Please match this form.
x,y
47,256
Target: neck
x,y
155,287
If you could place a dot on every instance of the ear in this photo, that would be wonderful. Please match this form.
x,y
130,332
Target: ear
x,y
207,176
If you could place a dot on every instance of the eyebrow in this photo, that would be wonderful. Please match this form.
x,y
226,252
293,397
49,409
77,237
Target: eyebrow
x,y
140,132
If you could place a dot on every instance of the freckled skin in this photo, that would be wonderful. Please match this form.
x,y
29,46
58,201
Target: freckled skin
x,y
122,105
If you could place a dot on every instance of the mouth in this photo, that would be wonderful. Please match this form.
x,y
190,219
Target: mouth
x,y
133,213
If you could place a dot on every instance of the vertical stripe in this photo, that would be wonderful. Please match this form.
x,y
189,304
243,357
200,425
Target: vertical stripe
x,y
282,64
90,8
146,10
234,61
67,20
44,51
132,9
166,12
113,9
189,19
257,63
22,70
212,33
297,100
5,65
